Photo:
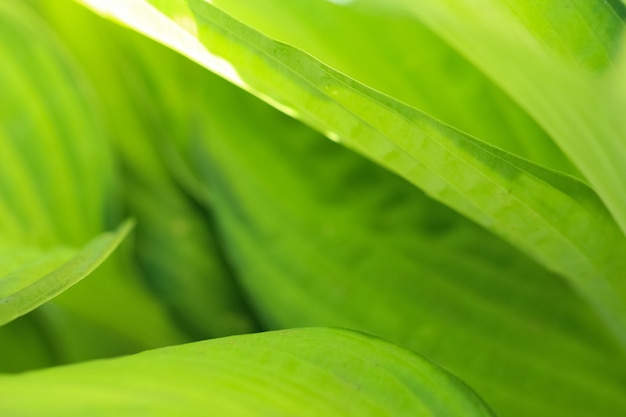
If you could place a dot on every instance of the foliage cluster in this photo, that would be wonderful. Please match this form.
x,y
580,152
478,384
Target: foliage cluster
x,y
465,222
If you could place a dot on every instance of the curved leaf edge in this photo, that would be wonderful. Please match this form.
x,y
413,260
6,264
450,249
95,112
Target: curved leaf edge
x,y
60,279
311,370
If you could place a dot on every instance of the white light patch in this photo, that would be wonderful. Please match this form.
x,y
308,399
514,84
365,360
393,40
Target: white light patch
x,y
289,111
179,35
333,136
187,23
341,2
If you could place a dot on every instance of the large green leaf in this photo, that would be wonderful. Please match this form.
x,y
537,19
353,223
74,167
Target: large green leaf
x,y
370,46
555,218
304,372
29,276
322,237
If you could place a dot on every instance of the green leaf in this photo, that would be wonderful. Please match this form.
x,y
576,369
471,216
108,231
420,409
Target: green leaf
x,y
304,372
555,218
321,236
578,108
41,275
428,75
578,31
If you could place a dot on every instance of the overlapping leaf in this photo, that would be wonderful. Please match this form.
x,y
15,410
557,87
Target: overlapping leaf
x,y
555,218
38,276
404,59
322,237
306,372
514,45
313,250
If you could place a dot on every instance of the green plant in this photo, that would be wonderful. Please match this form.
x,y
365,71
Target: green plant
x,y
507,268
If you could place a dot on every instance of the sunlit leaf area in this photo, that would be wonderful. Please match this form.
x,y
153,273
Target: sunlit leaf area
x,y
313,208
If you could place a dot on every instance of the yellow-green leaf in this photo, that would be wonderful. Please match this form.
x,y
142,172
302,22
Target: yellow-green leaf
x,y
38,276
303,372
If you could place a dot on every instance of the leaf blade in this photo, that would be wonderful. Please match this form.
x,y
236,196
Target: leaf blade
x,y
319,236
56,279
499,191
297,371
564,99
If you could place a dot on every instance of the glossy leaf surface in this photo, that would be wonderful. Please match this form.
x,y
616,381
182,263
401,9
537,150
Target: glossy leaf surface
x,y
306,372
321,236
229,191
558,220
532,52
